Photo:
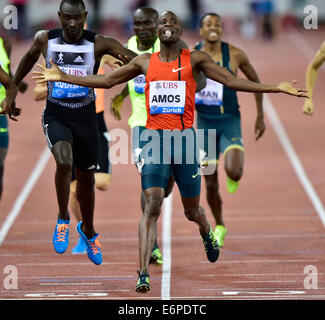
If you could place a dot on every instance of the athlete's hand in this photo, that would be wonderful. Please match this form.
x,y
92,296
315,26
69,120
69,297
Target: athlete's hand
x,y
53,74
259,127
113,62
288,88
308,107
8,107
116,105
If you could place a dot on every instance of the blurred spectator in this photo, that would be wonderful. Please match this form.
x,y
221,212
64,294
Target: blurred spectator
x,y
21,6
96,19
263,11
195,11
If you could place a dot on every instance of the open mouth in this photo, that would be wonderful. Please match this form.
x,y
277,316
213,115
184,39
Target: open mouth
x,y
213,34
168,33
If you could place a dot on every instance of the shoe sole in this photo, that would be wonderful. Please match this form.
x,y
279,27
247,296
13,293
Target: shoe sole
x,y
142,288
156,261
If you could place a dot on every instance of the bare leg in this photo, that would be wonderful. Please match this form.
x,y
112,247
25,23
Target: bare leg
x,y
213,197
102,182
86,198
194,212
3,153
234,164
148,225
62,152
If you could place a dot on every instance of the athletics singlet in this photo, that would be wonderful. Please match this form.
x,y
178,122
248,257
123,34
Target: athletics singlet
x,y
137,85
74,59
170,93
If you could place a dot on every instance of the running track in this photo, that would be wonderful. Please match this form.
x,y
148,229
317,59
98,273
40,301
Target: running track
x,y
275,221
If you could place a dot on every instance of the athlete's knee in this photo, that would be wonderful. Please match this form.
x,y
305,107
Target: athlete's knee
x,y
153,203
235,173
193,213
64,165
102,181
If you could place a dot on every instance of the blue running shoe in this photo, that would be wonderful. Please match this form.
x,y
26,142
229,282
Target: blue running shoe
x,y
61,236
93,246
81,247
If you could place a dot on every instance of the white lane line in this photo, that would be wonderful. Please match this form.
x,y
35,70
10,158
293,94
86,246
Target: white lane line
x,y
166,269
23,195
71,284
293,157
225,261
68,263
303,46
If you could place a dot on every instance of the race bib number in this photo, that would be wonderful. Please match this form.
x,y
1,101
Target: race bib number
x,y
211,95
167,97
139,83
62,90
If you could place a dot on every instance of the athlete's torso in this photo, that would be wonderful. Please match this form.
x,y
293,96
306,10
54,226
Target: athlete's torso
x,y
137,86
170,93
76,59
216,99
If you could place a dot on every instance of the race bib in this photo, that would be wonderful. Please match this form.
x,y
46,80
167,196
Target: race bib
x,y
62,90
211,95
139,83
167,97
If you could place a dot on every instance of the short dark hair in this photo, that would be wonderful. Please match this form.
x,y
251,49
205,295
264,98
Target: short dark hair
x,y
208,14
149,10
73,2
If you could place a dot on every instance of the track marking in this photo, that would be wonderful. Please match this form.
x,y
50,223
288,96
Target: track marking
x,y
166,268
303,46
235,293
28,187
264,261
293,157
71,284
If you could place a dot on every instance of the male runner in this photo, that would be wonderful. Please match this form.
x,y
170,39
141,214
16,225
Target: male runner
x,y
104,168
217,108
69,119
170,101
145,40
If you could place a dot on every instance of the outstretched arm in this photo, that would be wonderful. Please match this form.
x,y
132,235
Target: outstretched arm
x,y
134,68
201,61
311,76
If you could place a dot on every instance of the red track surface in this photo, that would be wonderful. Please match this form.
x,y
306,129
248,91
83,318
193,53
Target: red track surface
x,y
274,231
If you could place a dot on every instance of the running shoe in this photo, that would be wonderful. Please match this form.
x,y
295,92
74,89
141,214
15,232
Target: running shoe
x,y
93,246
81,247
61,236
143,284
211,246
156,257
232,185
220,232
